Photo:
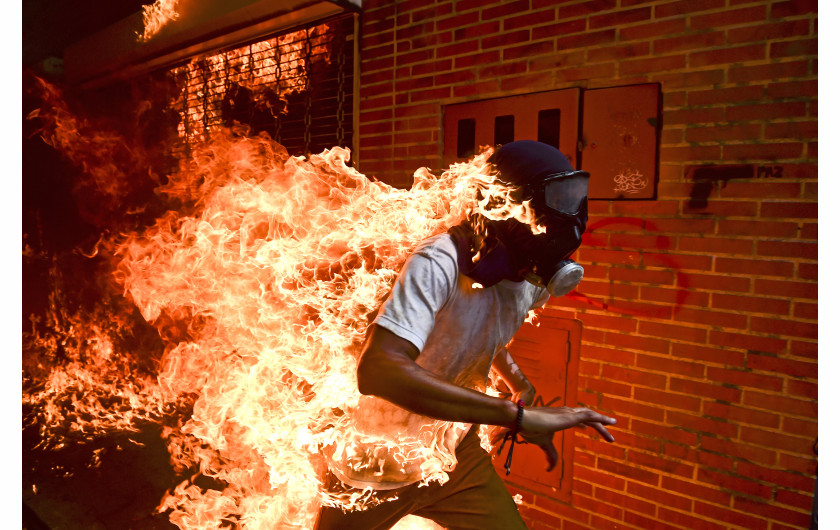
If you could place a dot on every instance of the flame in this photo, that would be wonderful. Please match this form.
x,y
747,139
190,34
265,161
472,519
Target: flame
x,y
261,285
156,16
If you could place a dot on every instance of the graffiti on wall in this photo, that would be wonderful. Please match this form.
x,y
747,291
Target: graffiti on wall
x,y
706,178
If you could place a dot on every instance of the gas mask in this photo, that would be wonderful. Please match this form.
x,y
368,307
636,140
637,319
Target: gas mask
x,y
561,204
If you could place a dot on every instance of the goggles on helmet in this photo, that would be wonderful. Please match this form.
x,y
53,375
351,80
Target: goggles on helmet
x,y
562,193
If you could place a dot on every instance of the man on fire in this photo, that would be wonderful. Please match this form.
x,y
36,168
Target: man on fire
x,y
458,301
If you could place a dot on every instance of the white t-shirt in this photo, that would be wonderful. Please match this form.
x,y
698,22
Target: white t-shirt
x,y
458,329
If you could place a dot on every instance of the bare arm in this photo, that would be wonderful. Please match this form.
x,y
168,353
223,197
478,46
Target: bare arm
x,y
387,370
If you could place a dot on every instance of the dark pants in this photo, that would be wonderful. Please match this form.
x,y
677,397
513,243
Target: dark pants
x,y
474,498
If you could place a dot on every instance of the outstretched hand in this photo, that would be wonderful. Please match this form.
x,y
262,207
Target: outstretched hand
x,y
540,423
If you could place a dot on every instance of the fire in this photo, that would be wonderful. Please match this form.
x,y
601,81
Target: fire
x,y
156,16
260,285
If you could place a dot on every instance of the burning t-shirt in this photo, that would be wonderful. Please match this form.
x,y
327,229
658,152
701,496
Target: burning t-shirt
x,y
458,328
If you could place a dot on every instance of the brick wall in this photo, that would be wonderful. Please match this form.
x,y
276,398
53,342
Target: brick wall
x,y
701,317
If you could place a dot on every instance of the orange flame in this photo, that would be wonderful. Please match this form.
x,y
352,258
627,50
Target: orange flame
x,y
261,287
156,16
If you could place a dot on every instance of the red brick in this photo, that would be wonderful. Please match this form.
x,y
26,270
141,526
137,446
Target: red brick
x,y
798,519
620,52
725,95
476,30
727,17
754,267
505,39
728,208
787,367
691,153
527,81
663,432
414,83
605,387
647,523
762,111
654,29
780,404
683,7
745,379
797,500
693,116
667,399
784,327
805,310
729,516
654,64
735,484
688,42
803,348
792,89
634,377
597,477
482,58
632,472
687,521
747,341
722,133
679,296
530,18
528,50
751,52
631,342
796,48
712,318
555,29
758,228
625,501
694,490
809,231
768,72
800,427
787,209
604,509
738,450
623,408
705,389
673,331
802,388
767,151
659,496
799,464
787,249
663,364
461,19
807,271
793,8
715,245
460,48
782,288
619,18
741,414
768,31
434,12
717,283
715,355
585,40
692,422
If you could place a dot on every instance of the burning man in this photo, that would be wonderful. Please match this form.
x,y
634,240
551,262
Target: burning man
x,y
457,303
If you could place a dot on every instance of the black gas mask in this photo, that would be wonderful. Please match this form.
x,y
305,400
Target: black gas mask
x,y
560,202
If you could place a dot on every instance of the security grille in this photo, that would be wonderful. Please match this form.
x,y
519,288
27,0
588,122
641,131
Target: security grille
x,y
295,86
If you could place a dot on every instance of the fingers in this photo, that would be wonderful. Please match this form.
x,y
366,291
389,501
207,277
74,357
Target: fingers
x,y
605,434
